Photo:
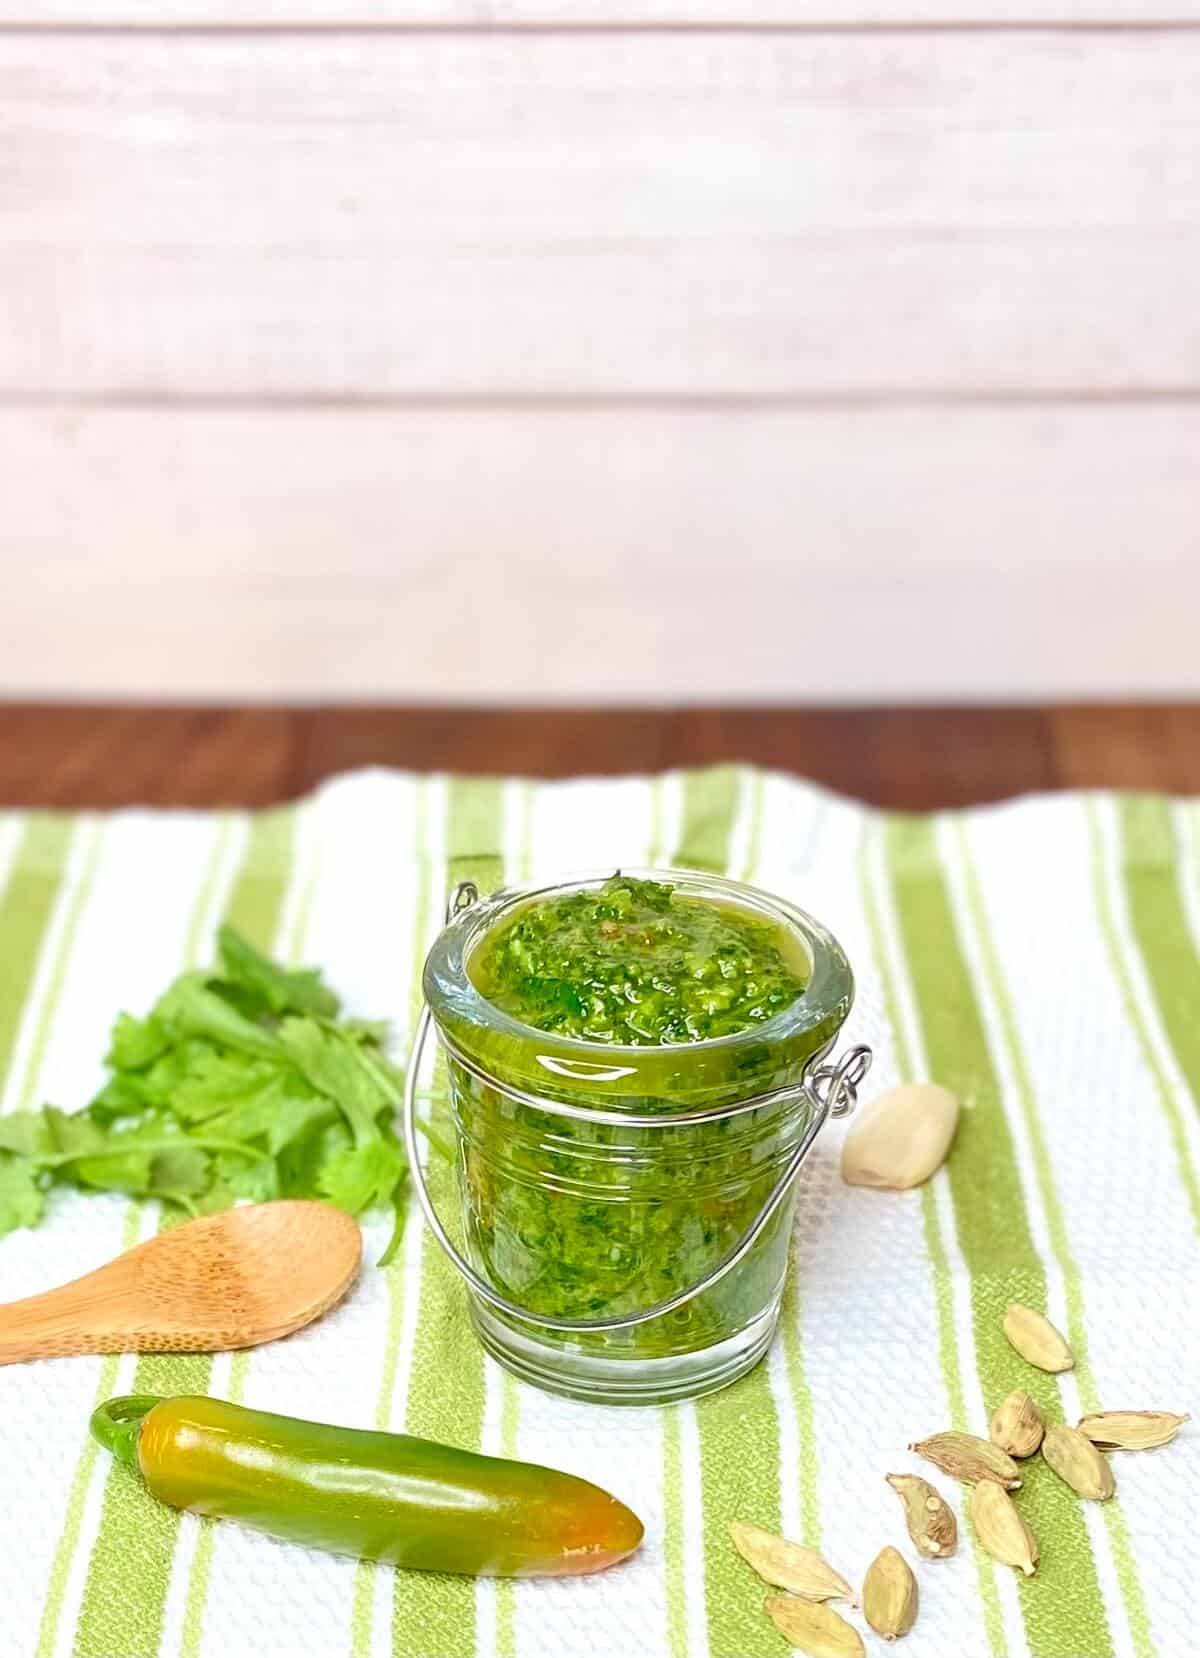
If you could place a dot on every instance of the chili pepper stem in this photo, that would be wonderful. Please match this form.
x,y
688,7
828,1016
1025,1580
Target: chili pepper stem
x,y
117,1422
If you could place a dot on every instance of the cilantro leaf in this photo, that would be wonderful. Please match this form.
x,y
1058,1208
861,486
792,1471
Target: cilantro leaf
x,y
135,1043
25,1133
273,1114
180,1175
124,1095
281,991
70,1137
22,1200
300,1162
363,1176
335,1066
295,1118
122,1171
371,1032
256,1182
217,1085
193,1007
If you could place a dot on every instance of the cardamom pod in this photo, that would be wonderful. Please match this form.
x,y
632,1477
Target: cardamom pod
x,y
929,1517
1036,1339
890,1594
1075,1459
1017,1425
814,1628
901,1138
789,1566
999,1527
966,1457
1131,1430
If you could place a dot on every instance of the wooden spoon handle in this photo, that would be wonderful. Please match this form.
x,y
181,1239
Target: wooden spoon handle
x,y
49,1326
92,1314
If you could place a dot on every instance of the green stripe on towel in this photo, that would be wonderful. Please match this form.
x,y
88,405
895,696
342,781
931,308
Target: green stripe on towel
x,y
129,1573
1061,1606
446,1391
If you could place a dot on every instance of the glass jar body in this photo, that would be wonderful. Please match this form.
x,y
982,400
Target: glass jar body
x,y
597,1182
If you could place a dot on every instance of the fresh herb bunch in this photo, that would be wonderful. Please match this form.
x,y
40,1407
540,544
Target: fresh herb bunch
x,y
241,1083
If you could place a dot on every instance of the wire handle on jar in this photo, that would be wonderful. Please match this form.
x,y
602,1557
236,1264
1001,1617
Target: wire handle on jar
x,y
830,1089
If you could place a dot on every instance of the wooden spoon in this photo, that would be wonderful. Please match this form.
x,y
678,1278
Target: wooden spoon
x,y
231,1280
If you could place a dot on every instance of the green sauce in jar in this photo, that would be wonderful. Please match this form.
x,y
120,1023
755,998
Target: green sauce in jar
x,y
636,963
688,997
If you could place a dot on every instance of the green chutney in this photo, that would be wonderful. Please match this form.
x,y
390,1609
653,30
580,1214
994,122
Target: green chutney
x,y
637,964
691,1006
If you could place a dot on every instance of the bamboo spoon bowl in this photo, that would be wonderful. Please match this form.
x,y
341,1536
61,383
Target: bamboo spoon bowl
x,y
235,1279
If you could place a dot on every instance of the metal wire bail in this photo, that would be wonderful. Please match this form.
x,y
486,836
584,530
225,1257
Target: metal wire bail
x,y
838,1084
830,1089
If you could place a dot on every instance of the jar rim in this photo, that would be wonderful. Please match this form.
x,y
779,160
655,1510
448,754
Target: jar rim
x,y
449,986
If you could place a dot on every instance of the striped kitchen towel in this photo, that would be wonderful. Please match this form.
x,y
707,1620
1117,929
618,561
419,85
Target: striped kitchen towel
x,y
1042,958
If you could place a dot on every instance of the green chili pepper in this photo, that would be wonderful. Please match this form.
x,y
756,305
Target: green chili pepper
x,y
379,1496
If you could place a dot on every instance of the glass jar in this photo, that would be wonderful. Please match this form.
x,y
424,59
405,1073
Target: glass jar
x,y
625,1211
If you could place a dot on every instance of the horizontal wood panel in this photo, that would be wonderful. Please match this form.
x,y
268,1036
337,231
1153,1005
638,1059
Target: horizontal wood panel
x,y
612,556
600,214
912,758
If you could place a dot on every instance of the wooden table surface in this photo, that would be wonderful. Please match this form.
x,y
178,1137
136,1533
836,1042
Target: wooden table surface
x,y
76,755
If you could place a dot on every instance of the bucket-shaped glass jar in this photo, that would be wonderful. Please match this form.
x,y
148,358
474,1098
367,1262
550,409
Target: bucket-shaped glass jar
x,y
626,1210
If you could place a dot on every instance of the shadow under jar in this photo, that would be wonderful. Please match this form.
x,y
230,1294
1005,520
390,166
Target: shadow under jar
x,y
626,1206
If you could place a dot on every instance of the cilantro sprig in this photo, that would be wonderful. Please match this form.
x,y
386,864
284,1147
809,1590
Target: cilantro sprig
x,y
240,1083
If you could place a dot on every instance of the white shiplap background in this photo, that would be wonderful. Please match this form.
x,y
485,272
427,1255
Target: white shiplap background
x,y
687,348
